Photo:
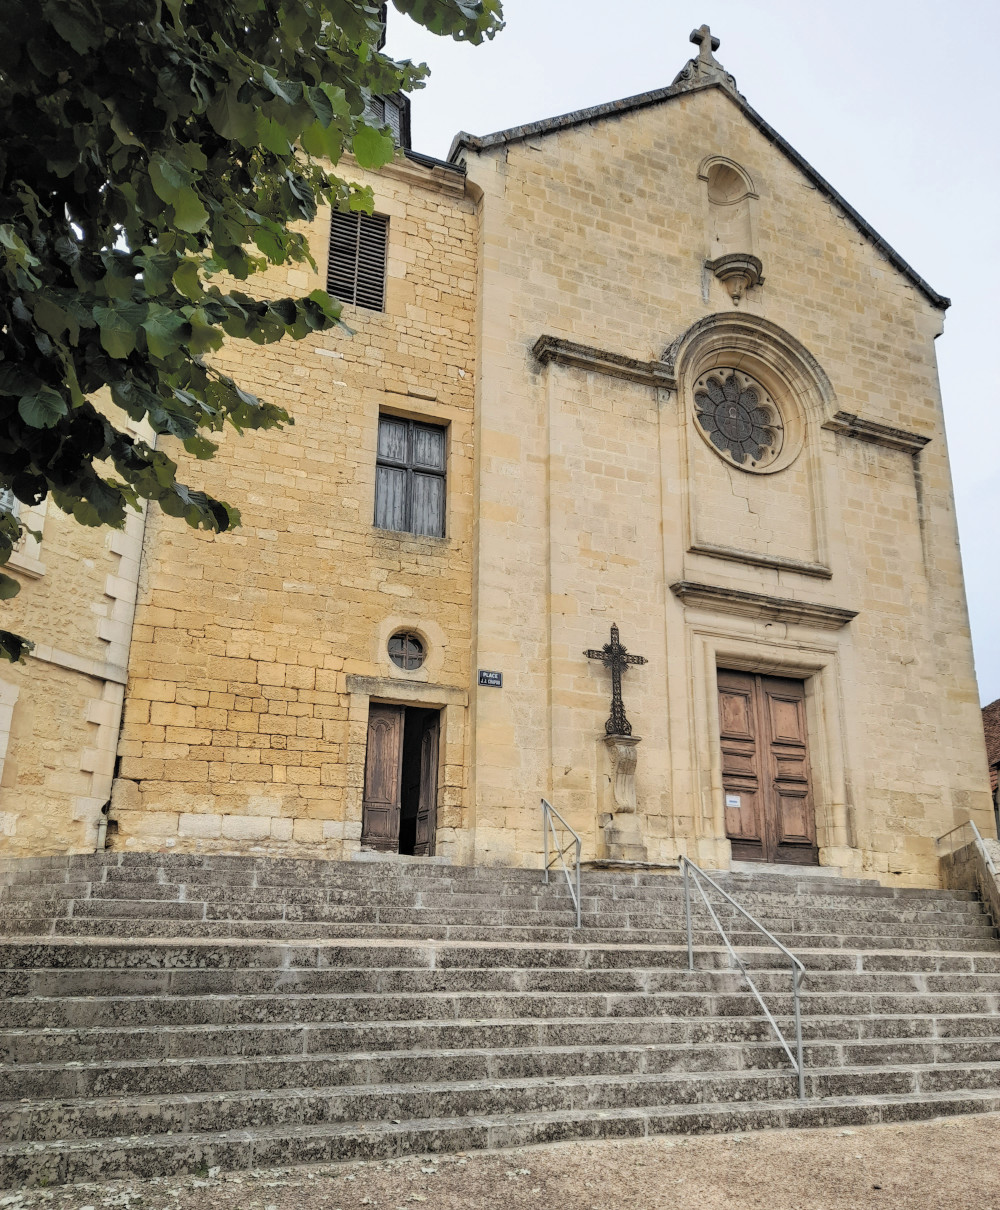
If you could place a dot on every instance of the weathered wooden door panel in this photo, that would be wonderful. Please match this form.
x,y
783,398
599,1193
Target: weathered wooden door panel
x,y
383,778
765,768
740,771
794,818
427,811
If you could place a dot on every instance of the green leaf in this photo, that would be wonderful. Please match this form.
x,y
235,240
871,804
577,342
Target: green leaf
x,y
372,149
167,178
14,380
230,118
118,326
73,27
189,213
43,408
320,104
286,91
165,331
12,646
9,587
272,135
187,281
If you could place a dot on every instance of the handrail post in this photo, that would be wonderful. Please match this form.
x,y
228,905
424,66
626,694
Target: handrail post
x,y
546,822
549,816
579,901
687,913
796,981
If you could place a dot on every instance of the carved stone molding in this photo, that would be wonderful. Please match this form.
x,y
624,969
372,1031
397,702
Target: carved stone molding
x,y
778,562
879,434
622,749
620,827
600,361
738,272
759,605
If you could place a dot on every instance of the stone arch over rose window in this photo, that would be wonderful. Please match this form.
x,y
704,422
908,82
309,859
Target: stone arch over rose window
x,y
750,389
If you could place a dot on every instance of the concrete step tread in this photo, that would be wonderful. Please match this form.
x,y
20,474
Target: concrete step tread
x,y
77,942
142,1102
545,945
988,1098
529,995
460,1022
363,1056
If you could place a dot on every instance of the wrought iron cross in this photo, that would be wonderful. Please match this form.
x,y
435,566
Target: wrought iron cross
x,y
614,656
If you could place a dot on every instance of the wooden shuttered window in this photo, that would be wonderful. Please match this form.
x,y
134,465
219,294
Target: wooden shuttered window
x,y
410,477
356,268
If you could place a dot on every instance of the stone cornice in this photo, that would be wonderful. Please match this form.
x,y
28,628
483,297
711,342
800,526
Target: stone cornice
x,y
100,670
599,361
758,605
879,434
779,563
421,171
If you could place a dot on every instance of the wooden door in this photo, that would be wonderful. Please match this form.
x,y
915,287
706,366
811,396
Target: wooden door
x,y
427,810
765,769
383,779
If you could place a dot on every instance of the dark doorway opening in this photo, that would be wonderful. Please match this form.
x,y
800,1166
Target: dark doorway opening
x,y
400,798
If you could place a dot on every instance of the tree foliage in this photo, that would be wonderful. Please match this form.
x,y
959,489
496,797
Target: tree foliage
x,y
149,147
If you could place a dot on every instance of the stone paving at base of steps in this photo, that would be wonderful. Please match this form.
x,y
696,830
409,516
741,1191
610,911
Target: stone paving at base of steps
x,y
942,1164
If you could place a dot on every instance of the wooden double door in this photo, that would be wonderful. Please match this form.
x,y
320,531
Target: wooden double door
x,y
401,776
765,768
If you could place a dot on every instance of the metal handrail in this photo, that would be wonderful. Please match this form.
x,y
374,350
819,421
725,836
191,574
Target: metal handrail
x,y
798,970
548,824
978,841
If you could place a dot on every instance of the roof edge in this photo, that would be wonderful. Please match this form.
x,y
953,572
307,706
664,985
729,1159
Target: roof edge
x,y
577,117
514,134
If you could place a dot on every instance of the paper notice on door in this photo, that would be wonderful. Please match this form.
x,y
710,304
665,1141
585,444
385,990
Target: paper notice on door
x,y
733,800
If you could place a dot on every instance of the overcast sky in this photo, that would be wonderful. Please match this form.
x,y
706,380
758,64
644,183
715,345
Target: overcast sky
x,y
893,101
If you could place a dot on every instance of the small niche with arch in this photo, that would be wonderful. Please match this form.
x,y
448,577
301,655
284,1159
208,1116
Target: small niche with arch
x,y
731,235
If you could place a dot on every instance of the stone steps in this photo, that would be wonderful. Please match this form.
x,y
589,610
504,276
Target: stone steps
x,y
98,1045
867,936
168,1014
202,1112
165,957
230,1073
270,1146
387,980
126,1011
609,917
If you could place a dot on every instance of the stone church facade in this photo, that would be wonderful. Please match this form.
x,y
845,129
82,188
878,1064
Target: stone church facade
x,y
638,366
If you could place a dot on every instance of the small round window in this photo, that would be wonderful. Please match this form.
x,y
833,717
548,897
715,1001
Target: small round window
x,y
406,650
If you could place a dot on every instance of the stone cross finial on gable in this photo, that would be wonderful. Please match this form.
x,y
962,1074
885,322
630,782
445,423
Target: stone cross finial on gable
x,y
706,68
706,43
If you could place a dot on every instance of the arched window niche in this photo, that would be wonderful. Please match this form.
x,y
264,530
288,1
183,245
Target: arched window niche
x,y
731,225
789,382
769,509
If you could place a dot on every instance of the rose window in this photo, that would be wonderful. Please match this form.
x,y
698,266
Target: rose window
x,y
739,418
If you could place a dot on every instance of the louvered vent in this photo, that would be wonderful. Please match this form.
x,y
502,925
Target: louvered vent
x,y
356,272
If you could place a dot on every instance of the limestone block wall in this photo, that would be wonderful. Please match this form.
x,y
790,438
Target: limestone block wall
x,y
256,653
60,710
596,495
